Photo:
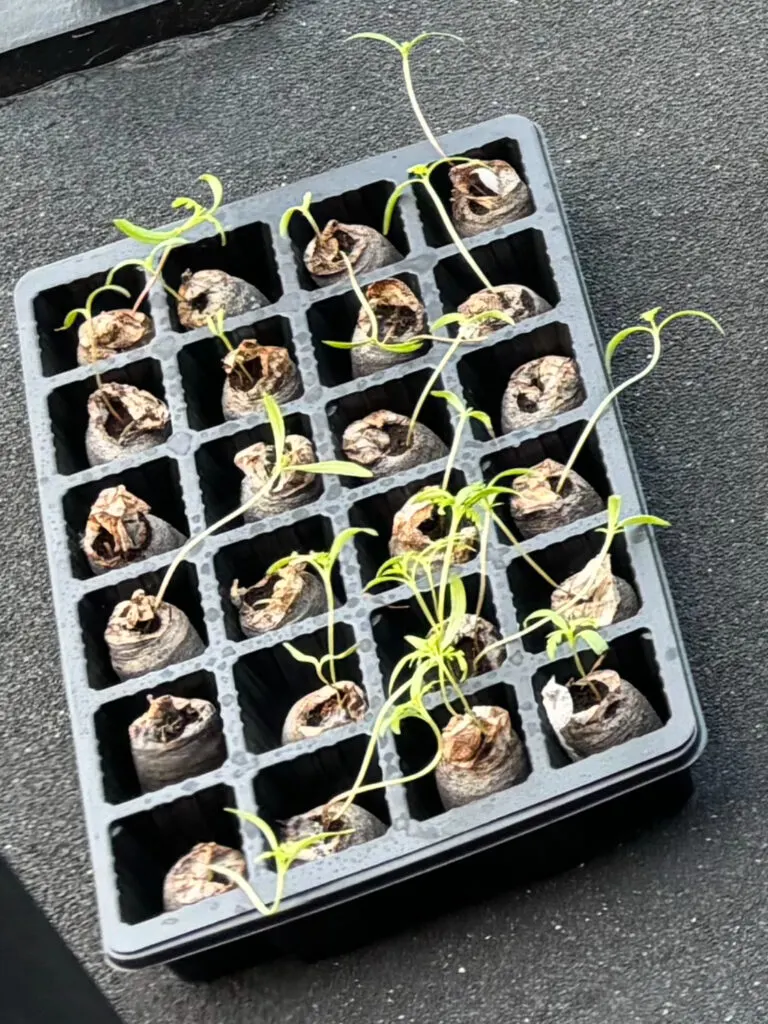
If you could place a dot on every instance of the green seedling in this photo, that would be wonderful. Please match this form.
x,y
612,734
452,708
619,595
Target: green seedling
x,y
571,633
305,210
281,464
403,347
323,562
654,331
215,325
86,312
405,50
615,526
282,853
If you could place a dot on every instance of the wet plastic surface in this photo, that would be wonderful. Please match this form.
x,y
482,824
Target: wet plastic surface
x,y
191,480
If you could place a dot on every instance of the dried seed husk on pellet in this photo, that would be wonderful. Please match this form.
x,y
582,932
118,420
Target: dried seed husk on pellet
x,y
537,507
585,726
255,370
109,333
142,422
365,248
419,523
378,442
205,292
479,759
366,826
400,316
540,389
288,595
607,598
174,739
120,530
476,633
516,300
487,197
292,490
143,636
191,879
323,709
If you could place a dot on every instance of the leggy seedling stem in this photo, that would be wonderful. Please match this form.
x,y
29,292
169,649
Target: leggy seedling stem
x,y
653,330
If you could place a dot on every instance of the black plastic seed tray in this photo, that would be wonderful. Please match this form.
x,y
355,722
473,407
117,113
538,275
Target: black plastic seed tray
x,y
191,482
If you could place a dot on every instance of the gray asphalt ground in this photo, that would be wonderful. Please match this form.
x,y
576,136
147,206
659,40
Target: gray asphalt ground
x,y
655,113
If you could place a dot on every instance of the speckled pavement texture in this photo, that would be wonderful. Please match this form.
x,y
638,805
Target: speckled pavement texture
x,y
655,114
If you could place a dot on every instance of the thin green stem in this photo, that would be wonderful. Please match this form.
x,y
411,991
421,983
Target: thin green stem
x,y
605,404
455,237
405,54
522,552
453,454
484,537
152,281
371,787
428,387
328,587
579,663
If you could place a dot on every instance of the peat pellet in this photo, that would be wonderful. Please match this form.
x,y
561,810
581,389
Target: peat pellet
x,y
587,726
325,708
289,595
366,249
252,371
292,490
602,597
379,442
175,739
205,293
419,523
400,316
537,507
142,636
191,879
517,301
540,389
482,754
112,332
487,197
121,530
365,827
123,420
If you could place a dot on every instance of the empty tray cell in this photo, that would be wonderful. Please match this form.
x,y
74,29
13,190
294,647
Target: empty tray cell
x,y
220,479
58,349
520,258
114,718
416,746
633,656
434,228
202,372
311,780
68,407
248,560
270,681
248,254
398,396
96,607
157,483
394,622
363,205
147,845
485,372
379,511
530,591
334,319
556,445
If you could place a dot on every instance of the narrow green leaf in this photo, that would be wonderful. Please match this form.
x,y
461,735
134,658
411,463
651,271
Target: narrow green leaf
x,y
245,887
594,641
618,339
553,644
277,424
692,313
458,596
344,344
344,537
484,418
139,234
401,347
217,190
306,659
285,220
263,826
70,318
642,520
377,37
446,320
453,400
338,468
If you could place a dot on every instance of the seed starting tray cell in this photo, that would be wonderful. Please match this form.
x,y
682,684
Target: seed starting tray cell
x,y
191,481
